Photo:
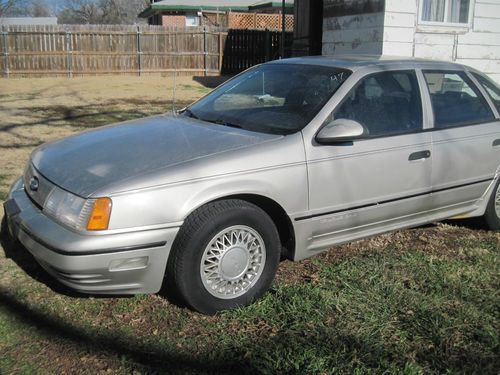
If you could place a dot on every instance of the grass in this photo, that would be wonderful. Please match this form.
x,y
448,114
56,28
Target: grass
x,y
3,191
393,304
420,301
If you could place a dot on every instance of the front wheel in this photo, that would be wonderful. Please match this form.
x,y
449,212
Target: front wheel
x,y
492,214
225,255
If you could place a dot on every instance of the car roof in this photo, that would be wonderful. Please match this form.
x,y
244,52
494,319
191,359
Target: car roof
x,y
356,62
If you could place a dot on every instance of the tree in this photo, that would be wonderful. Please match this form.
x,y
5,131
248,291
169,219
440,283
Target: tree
x,y
101,11
39,8
80,11
6,6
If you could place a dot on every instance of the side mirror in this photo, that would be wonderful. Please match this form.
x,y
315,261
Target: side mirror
x,y
340,130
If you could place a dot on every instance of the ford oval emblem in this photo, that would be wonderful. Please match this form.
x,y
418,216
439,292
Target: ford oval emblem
x,y
34,184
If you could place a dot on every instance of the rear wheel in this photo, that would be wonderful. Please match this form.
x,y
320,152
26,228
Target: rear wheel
x,y
225,255
492,214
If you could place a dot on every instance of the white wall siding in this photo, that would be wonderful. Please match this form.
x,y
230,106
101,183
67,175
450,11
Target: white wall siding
x,y
361,33
397,19
399,27
487,10
401,6
396,31
398,49
434,52
476,45
481,64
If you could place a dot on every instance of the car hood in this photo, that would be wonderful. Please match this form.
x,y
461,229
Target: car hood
x,y
90,161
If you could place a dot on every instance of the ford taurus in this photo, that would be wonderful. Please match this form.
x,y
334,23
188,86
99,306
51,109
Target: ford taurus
x,y
285,160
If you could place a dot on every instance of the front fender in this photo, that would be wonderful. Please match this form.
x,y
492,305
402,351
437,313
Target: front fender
x,y
170,205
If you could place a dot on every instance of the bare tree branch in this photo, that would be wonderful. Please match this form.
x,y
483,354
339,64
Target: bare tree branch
x,y
102,11
5,6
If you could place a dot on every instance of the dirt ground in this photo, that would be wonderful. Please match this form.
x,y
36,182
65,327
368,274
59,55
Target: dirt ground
x,y
34,111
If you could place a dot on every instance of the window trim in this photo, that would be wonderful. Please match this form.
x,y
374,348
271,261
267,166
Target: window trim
x,y
445,24
473,83
473,76
370,137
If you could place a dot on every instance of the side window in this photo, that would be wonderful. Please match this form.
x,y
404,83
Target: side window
x,y
455,100
386,103
492,89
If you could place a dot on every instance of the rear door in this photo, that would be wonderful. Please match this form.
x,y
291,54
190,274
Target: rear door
x,y
466,140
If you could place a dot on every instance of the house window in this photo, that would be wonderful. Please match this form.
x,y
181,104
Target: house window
x,y
445,11
192,21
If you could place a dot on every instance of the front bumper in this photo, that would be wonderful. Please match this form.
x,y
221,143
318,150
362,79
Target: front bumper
x,y
122,263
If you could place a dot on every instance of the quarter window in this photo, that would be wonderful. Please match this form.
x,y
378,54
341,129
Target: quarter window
x,y
492,89
455,100
445,11
385,104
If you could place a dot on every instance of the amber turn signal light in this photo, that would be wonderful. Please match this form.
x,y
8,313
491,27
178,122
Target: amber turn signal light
x,y
99,217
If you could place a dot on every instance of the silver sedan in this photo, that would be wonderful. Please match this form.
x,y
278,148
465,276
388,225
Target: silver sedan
x,y
283,161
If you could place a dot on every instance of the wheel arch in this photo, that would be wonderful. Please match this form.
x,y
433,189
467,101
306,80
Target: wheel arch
x,y
277,214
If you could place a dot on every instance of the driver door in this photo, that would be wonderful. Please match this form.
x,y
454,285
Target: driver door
x,y
381,181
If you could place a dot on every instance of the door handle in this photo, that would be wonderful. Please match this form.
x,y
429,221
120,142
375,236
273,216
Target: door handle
x,y
419,155
496,142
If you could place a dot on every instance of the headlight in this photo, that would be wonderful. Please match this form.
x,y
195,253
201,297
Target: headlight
x,y
76,212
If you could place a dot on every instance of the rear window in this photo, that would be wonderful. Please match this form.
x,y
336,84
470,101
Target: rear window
x,y
455,100
491,88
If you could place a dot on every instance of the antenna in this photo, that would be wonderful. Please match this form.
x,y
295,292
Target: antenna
x,y
174,89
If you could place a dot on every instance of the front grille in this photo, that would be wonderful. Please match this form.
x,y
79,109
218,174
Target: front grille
x,y
39,195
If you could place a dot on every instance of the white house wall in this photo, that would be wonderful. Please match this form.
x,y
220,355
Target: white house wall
x,y
396,31
477,45
352,33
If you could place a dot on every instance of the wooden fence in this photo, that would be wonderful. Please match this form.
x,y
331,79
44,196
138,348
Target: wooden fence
x,y
86,49
246,48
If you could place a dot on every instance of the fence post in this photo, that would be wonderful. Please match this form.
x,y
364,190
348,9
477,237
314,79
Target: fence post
x,y
220,52
69,56
5,35
139,50
205,52
268,45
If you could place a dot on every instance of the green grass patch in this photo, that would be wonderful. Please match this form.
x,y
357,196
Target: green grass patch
x,y
384,309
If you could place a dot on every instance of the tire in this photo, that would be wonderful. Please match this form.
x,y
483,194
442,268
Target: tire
x,y
230,243
492,215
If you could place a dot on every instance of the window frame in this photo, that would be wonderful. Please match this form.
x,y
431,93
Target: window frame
x,y
420,93
472,83
446,24
475,76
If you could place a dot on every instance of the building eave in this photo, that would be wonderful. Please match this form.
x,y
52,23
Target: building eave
x,y
270,5
152,9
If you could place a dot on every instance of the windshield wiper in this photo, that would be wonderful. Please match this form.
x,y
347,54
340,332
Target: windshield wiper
x,y
224,123
190,113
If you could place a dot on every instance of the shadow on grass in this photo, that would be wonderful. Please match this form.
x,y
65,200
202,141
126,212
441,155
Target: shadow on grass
x,y
15,251
144,355
474,223
84,117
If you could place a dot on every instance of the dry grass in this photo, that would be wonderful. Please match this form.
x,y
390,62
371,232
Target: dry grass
x,y
35,111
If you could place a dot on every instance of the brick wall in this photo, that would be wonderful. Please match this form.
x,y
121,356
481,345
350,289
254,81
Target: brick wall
x,y
178,21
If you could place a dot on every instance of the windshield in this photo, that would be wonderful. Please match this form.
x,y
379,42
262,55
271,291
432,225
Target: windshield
x,y
271,98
